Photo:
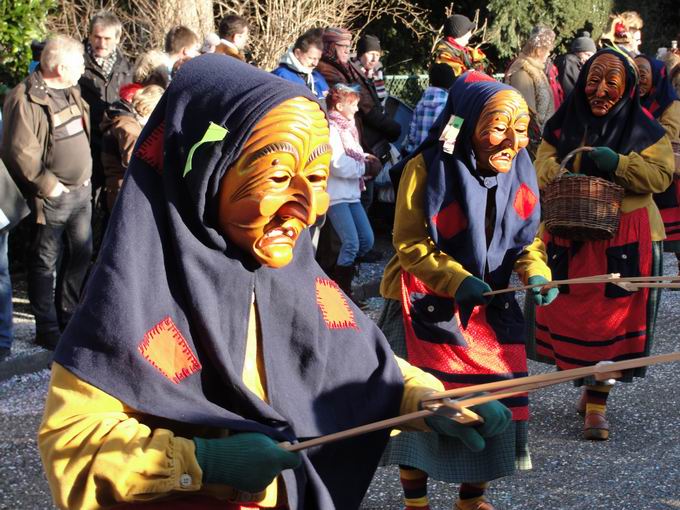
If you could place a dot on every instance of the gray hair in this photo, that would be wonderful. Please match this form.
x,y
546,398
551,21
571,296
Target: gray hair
x,y
540,38
106,19
56,49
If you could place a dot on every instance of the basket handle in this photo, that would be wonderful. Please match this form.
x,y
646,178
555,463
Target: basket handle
x,y
567,158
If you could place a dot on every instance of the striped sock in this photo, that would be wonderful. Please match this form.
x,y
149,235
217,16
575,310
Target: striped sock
x,y
414,484
596,398
470,494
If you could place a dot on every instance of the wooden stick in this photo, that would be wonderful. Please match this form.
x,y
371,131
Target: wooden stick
x,y
510,388
562,375
389,423
610,278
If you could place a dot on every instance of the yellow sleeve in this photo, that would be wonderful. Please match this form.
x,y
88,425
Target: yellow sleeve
x,y
416,251
670,120
650,171
417,385
547,164
97,454
533,262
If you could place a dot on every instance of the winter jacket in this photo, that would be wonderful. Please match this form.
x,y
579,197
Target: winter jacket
x,y
99,91
13,206
569,67
290,69
28,136
120,129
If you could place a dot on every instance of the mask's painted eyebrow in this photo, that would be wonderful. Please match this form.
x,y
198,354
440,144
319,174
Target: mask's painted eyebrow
x,y
318,151
271,149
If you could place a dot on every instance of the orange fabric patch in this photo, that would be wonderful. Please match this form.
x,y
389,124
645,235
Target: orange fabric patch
x,y
334,307
525,201
165,348
151,149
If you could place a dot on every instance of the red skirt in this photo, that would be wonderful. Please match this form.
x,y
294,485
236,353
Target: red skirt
x,y
491,348
597,322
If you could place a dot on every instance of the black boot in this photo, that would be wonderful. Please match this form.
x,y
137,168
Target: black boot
x,y
343,276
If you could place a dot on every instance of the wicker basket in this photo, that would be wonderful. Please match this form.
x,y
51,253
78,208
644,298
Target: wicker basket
x,y
580,207
676,153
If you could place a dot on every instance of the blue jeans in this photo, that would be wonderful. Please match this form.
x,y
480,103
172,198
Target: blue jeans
x,y
67,229
354,230
5,294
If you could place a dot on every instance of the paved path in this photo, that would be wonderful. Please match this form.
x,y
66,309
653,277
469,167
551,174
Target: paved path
x,y
638,469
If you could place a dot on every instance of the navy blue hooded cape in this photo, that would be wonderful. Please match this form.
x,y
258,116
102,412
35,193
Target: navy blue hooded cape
x,y
662,93
626,128
454,184
169,285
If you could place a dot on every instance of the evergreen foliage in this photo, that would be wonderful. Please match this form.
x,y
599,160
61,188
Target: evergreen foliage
x,y
513,20
20,22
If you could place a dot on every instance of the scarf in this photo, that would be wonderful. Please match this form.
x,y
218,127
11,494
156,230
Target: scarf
x,y
105,63
662,94
289,59
162,324
625,128
349,135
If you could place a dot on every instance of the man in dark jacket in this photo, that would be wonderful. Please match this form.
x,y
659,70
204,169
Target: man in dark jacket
x,y
569,65
106,69
46,149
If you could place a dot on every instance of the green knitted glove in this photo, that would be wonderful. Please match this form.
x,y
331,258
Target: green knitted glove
x,y
539,298
606,159
248,462
496,419
470,292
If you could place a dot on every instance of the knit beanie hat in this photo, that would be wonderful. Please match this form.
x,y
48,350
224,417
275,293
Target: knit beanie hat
x,y
367,42
441,76
457,25
583,43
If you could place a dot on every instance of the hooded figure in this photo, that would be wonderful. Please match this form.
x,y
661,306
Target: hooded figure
x,y
466,216
630,148
658,96
207,333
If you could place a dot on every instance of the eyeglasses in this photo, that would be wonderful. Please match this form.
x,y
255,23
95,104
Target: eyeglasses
x,y
342,45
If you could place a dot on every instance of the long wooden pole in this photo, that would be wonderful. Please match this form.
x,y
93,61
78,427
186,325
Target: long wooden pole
x,y
500,389
638,281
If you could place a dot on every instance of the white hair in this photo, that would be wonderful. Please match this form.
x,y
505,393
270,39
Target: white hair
x,y
57,50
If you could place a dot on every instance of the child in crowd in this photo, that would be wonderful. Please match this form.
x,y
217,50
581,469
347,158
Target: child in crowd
x,y
350,165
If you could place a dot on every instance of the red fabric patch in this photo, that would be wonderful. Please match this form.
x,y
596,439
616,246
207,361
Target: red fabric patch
x,y
335,310
475,76
165,348
450,221
151,149
525,201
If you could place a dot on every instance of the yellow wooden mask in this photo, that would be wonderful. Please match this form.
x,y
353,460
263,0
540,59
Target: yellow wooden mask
x,y
502,130
277,186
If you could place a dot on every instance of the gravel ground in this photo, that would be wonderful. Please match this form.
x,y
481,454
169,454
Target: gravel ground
x,y
638,468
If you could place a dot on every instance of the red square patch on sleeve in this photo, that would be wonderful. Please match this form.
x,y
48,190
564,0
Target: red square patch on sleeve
x,y
525,201
167,350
